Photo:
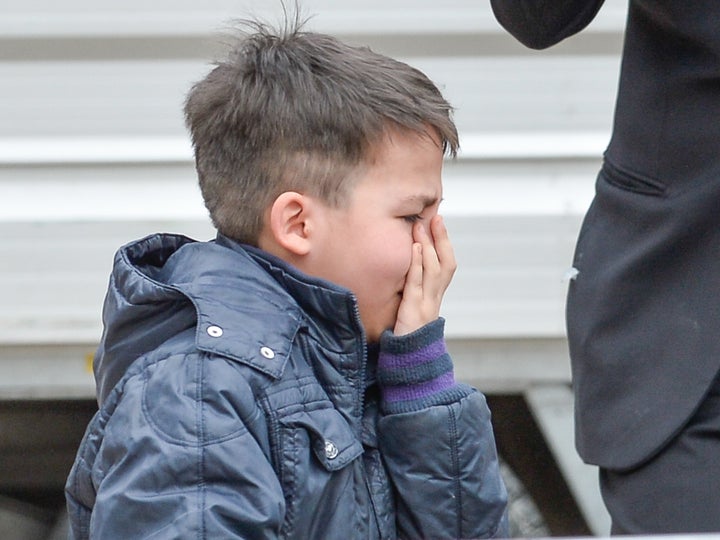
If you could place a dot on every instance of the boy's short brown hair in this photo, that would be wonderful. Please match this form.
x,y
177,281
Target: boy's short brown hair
x,y
296,110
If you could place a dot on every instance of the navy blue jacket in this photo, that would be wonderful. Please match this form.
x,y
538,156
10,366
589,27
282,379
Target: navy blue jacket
x,y
235,402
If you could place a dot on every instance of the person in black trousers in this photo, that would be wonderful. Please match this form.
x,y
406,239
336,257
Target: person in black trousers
x,y
643,313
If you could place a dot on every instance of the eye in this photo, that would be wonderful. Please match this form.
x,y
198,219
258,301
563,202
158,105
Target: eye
x,y
413,218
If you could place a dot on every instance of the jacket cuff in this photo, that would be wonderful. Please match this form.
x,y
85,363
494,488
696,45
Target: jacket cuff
x,y
415,370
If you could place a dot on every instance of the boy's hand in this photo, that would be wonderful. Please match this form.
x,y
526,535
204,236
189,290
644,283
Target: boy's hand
x,y
432,267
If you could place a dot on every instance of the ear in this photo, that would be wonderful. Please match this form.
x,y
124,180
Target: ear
x,y
289,222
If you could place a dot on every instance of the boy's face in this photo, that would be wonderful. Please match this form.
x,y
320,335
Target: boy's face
x,y
366,245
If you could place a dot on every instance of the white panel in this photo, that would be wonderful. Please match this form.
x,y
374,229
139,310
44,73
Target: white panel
x,y
73,98
509,281
145,97
521,93
94,153
139,17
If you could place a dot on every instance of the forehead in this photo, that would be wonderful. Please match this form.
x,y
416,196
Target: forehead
x,y
397,140
406,165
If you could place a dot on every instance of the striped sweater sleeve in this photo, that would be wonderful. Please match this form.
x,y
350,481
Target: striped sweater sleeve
x,y
415,370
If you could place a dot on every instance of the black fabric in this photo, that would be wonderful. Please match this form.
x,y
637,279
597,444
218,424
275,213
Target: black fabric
x,y
676,491
643,313
540,24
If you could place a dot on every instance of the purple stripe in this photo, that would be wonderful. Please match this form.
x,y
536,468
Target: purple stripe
x,y
419,391
399,361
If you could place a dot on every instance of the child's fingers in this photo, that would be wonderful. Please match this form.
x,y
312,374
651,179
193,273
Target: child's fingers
x,y
409,317
443,246
414,279
439,260
430,262
431,269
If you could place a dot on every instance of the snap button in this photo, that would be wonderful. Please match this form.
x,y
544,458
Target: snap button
x,y
267,352
331,451
214,331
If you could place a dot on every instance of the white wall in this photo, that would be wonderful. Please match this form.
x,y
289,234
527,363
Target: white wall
x,y
93,153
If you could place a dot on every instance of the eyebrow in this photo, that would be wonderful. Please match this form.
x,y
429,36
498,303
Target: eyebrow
x,y
424,199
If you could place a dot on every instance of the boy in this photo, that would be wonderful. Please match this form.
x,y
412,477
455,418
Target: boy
x,y
290,379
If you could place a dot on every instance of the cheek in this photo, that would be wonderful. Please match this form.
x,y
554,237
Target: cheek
x,y
385,254
397,256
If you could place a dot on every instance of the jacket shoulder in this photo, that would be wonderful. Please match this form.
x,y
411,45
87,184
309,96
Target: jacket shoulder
x,y
183,395
196,398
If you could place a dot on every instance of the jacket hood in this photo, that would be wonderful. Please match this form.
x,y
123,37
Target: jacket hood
x,y
240,301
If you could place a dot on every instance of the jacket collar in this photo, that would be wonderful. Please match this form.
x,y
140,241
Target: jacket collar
x,y
244,303
332,309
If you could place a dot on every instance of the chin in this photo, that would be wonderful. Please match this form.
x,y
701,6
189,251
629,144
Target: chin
x,y
373,336
374,332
